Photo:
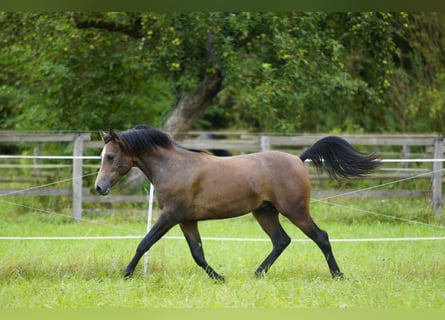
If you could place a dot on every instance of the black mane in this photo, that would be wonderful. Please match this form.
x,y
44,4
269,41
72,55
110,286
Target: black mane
x,y
143,138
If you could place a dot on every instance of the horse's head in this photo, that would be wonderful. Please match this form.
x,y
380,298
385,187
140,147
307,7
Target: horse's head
x,y
115,162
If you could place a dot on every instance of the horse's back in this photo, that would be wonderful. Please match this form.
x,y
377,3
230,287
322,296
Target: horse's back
x,y
281,165
285,171
273,175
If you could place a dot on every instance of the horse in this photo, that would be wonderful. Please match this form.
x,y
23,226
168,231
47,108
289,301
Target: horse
x,y
193,185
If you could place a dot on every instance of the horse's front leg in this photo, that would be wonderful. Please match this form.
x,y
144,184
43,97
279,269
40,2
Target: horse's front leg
x,y
165,223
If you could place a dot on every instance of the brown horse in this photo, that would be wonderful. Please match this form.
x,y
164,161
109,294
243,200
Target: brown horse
x,y
193,185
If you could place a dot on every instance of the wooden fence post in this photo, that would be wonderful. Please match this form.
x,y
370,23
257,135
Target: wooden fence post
x,y
406,150
77,176
36,161
437,176
265,143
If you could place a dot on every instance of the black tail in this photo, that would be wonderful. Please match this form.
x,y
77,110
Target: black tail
x,y
340,159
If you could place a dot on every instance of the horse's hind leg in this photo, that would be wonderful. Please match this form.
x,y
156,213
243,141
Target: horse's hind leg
x,y
267,217
320,237
191,233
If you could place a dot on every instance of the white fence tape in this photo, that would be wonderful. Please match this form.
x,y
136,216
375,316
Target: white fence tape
x,y
50,157
39,238
65,238
98,158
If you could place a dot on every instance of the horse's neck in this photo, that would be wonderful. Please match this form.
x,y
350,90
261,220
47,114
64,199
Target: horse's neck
x,y
157,165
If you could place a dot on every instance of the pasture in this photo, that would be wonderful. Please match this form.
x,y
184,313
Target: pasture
x,y
88,273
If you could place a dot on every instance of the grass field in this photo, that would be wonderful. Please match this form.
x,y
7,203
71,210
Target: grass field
x,y
87,273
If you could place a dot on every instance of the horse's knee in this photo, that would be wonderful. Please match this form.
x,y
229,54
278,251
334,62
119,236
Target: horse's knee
x,y
310,229
323,240
282,242
142,247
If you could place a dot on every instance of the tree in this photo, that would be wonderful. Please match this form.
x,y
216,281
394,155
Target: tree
x,y
56,76
281,72
417,95
197,83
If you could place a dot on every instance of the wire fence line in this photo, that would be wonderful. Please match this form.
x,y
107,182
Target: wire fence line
x,y
75,238
415,160
240,141
130,237
324,200
261,143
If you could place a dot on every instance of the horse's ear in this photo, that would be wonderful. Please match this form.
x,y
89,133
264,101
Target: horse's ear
x,y
114,136
103,134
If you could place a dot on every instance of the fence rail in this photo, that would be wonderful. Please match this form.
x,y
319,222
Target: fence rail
x,y
237,142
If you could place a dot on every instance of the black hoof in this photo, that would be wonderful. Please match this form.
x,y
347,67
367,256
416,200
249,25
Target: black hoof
x,y
127,275
260,273
218,278
338,275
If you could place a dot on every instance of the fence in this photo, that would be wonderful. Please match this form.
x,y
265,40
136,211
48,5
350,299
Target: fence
x,y
240,142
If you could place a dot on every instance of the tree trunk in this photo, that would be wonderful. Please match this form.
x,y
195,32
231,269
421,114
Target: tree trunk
x,y
192,104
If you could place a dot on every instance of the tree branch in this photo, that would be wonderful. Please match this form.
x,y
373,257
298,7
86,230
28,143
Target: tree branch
x,y
133,29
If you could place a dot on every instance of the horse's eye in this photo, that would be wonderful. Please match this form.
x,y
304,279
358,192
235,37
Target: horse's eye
x,y
110,157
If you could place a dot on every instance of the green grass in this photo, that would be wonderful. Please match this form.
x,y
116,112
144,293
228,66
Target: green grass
x,y
87,273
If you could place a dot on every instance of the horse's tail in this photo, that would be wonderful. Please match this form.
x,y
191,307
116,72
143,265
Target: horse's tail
x,y
340,159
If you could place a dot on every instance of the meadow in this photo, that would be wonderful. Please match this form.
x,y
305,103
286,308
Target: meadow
x,y
88,273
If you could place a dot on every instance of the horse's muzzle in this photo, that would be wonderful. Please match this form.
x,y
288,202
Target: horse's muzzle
x,y
103,190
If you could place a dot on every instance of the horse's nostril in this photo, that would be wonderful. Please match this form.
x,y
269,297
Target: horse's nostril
x,y
102,190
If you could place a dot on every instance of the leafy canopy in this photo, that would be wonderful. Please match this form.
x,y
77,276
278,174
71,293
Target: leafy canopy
x,y
282,72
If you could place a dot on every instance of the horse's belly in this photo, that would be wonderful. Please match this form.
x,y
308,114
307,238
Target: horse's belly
x,y
226,203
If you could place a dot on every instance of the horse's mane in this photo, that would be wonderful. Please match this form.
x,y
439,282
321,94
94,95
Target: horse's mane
x,y
142,138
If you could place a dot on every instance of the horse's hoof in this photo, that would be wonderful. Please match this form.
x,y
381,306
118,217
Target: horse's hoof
x,y
338,275
219,279
260,273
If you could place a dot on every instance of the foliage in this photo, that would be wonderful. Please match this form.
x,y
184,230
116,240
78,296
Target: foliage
x,y
62,78
282,72
417,95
